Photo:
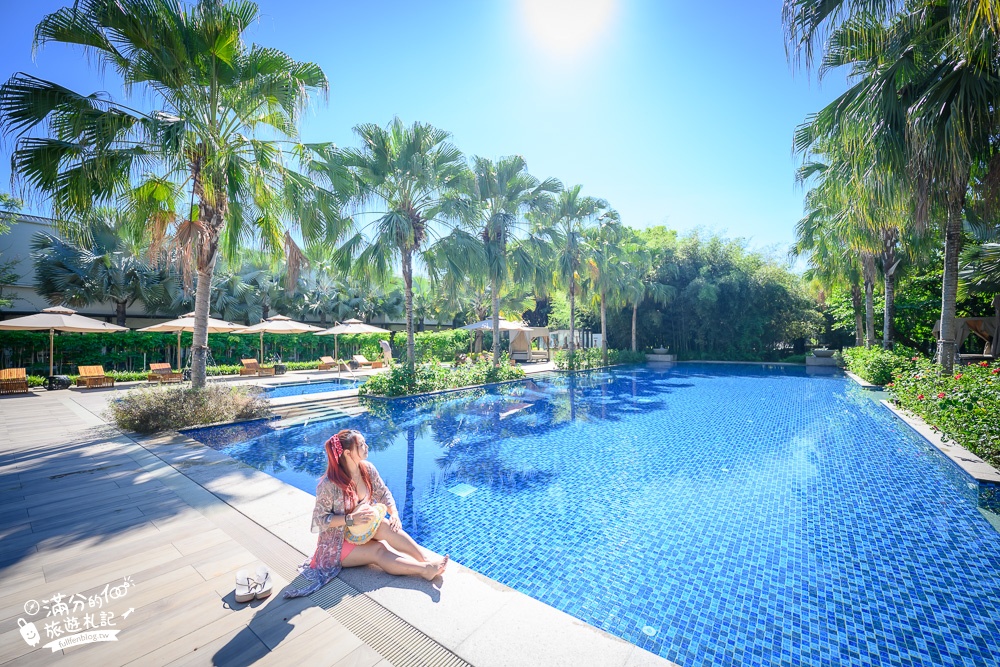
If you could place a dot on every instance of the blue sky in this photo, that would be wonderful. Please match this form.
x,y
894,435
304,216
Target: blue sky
x,y
677,113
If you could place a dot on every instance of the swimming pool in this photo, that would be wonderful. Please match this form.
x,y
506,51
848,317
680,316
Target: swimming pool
x,y
714,515
316,387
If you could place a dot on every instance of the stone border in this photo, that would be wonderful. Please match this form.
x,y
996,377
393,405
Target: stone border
x,y
987,477
864,383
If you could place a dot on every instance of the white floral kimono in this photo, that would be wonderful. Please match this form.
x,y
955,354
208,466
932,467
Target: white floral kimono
x,y
330,500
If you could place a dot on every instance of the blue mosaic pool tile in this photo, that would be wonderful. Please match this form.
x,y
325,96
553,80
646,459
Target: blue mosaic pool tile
x,y
751,515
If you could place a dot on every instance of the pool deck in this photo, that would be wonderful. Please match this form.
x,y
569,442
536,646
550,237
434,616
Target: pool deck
x,y
84,506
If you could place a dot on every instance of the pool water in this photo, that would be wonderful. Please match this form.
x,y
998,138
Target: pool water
x,y
302,388
714,515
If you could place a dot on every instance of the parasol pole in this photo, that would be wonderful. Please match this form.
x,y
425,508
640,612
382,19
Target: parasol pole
x,y
336,352
261,347
178,349
52,339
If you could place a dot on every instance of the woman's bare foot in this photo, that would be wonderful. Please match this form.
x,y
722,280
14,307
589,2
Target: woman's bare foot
x,y
436,568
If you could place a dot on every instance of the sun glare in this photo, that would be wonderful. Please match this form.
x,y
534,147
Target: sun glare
x,y
566,27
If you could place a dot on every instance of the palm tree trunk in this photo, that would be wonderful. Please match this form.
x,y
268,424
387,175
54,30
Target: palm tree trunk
x,y
120,313
635,313
408,291
868,262
572,321
604,330
889,269
496,321
199,342
947,345
859,320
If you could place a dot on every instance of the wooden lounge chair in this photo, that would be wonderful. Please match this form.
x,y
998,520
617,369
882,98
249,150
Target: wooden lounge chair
x,y
163,373
94,376
251,367
13,381
327,363
361,360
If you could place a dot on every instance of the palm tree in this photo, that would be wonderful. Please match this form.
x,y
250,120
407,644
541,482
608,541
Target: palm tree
x,y
402,175
494,203
637,283
572,215
99,262
213,94
945,58
604,265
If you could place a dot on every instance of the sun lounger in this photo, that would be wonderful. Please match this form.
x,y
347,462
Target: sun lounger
x,y
13,381
251,367
94,376
327,363
163,373
361,360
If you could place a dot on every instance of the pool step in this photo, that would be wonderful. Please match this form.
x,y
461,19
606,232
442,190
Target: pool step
x,y
335,408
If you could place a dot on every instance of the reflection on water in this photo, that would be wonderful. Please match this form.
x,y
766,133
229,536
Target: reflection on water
x,y
728,507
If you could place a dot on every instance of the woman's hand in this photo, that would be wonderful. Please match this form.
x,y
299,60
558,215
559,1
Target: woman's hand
x,y
394,523
363,514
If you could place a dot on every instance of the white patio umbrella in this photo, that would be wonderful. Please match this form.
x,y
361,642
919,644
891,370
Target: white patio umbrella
x,y
186,323
351,326
505,325
58,318
279,324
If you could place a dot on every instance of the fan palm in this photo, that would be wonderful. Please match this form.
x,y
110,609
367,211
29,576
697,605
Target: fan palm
x,y
498,196
99,262
401,175
213,95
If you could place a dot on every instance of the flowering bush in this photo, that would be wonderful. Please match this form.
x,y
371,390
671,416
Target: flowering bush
x,y
153,409
964,406
875,365
435,377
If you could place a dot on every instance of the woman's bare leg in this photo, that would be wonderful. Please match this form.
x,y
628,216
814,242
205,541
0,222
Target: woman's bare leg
x,y
400,541
375,553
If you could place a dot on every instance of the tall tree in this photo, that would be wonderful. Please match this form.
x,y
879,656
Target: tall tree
x,y
604,266
401,176
215,97
497,197
572,215
638,282
945,57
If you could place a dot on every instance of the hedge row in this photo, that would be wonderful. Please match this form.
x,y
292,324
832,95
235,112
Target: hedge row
x,y
133,350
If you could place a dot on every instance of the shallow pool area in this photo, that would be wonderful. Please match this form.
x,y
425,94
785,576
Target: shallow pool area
x,y
712,514
311,387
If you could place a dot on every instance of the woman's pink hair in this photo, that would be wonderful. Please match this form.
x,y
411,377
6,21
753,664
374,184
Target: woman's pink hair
x,y
336,469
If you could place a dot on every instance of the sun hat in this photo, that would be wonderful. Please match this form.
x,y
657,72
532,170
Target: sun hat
x,y
360,533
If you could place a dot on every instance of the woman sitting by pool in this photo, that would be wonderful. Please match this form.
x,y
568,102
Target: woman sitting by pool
x,y
357,520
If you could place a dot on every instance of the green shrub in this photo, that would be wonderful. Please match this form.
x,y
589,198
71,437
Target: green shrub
x,y
153,409
964,406
443,345
435,377
875,365
300,365
590,357
36,381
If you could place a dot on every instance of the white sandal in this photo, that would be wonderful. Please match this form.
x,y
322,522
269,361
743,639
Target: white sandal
x,y
263,583
245,587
